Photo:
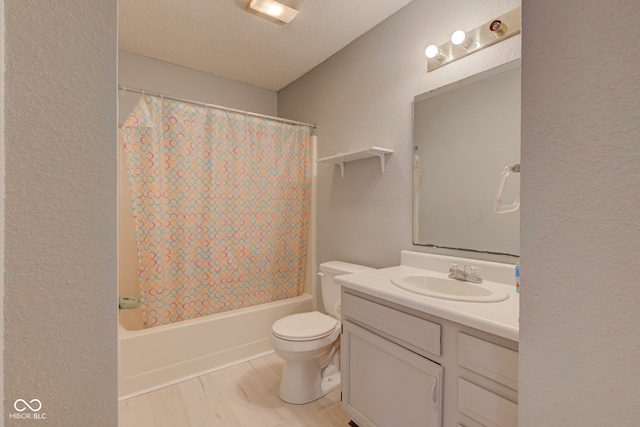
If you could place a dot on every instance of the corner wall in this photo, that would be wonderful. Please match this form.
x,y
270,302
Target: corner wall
x,y
362,96
580,233
60,217
1,208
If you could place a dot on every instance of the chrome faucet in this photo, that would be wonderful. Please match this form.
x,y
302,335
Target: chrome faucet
x,y
472,276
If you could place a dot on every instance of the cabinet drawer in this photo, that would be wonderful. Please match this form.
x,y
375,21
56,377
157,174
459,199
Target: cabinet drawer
x,y
410,329
486,407
487,359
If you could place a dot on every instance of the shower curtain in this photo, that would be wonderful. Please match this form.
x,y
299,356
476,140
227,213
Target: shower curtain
x,y
221,208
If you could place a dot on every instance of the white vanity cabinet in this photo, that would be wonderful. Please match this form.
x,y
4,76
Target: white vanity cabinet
x,y
488,373
384,382
404,367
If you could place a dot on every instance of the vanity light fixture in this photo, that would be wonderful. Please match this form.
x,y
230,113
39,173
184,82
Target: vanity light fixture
x,y
458,37
281,11
463,43
433,52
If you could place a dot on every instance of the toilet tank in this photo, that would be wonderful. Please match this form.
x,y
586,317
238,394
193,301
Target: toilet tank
x,y
330,289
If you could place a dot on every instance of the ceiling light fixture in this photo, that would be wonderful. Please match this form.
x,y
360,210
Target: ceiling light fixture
x,y
282,11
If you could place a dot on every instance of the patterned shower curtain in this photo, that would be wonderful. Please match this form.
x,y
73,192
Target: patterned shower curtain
x,y
221,208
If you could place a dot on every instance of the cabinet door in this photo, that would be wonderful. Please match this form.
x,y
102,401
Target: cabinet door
x,y
386,385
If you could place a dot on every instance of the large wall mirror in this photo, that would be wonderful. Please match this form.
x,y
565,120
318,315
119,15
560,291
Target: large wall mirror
x,y
465,135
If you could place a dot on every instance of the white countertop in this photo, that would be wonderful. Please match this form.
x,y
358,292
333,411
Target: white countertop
x,y
498,318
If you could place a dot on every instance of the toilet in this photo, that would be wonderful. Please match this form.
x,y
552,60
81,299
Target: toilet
x,y
309,342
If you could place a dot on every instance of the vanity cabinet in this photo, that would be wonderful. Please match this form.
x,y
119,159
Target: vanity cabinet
x,y
404,367
488,373
386,383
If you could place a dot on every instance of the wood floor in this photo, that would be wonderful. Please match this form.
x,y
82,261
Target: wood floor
x,y
245,395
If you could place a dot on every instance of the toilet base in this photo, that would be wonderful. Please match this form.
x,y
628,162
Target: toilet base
x,y
304,382
330,383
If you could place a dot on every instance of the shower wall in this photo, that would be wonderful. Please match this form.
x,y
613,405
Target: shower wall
x,y
170,79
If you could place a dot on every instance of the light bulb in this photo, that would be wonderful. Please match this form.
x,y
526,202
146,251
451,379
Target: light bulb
x,y
275,10
458,37
431,51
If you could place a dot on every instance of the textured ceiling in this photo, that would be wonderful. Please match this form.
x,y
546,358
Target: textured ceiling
x,y
222,38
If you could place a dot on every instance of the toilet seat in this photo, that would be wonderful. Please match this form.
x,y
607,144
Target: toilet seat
x,y
304,326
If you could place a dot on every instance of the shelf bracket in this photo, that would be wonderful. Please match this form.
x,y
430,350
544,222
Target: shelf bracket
x,y
382,159
341,158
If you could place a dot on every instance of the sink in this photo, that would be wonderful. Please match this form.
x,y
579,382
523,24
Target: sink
x,y
451,289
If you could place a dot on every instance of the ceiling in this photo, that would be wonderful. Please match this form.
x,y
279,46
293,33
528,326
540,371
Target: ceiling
x,y
220,37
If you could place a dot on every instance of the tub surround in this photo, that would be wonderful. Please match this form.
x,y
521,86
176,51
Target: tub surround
x,y
156,357
496,318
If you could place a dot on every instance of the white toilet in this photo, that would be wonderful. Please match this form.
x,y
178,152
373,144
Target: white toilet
x,y
309,343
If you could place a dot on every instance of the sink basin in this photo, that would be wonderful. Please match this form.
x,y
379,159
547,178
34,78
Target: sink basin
x,y
451,289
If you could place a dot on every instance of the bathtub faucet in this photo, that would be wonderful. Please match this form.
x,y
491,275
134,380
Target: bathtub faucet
x,y
472,276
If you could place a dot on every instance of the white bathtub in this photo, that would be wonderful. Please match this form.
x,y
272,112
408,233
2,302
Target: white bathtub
x,y
152,358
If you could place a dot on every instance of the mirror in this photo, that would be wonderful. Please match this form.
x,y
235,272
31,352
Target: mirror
x,y
465,135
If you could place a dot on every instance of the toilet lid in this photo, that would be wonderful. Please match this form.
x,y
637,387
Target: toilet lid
x,y
304,326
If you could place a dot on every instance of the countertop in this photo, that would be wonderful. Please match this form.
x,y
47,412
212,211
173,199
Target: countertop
x,y
497,318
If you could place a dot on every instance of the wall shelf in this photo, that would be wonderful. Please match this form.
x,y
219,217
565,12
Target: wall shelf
x,y
341,158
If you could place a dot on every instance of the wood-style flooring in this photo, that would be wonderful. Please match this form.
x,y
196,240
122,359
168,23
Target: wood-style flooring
x,y
244,395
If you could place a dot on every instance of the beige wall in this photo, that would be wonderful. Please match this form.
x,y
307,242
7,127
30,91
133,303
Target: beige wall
x,y
60,216
362,96
1,208
579,340
173,80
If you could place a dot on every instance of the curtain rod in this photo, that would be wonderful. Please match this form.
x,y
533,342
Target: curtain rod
x,y
313,127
